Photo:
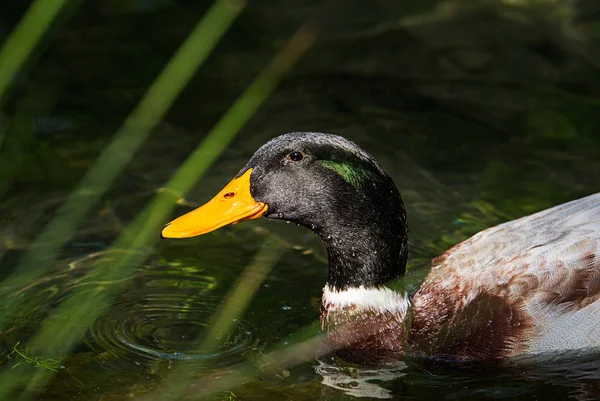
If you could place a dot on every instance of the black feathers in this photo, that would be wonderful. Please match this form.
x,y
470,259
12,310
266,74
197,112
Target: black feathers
x,y
337,190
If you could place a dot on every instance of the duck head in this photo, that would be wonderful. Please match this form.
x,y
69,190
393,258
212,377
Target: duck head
x,y
331,186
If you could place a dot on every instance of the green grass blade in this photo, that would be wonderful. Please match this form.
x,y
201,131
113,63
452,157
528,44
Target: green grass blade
x,y
222,321
60,332
126,142
20,44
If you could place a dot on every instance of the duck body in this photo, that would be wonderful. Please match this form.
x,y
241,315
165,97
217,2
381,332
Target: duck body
x,y
527,286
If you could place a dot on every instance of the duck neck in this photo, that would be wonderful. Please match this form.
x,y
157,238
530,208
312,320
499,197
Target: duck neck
x,y
363,254
366,324
363,301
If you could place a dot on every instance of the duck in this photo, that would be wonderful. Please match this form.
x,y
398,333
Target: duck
x,y
526,286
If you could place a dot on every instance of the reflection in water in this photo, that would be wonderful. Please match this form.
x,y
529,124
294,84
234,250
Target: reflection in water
x,y
359,381
579,371
569,375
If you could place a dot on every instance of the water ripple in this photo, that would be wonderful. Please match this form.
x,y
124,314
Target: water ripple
x,y
161,316
165,315
166,326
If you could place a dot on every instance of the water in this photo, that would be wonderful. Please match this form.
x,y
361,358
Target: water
x,y
481,111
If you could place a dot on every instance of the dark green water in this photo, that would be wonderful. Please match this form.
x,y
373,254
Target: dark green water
x,y
481,111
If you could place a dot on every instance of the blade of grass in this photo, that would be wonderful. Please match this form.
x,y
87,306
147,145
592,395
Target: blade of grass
x,y
141,234
126,141
237,299
241,295
223,319
60,332
129,137
17,134
241,111
20,44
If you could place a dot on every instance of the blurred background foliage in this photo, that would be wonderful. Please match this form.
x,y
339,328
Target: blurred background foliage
x,y
482,111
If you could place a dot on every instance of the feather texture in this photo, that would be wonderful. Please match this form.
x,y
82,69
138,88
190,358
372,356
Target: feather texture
x,y
526,286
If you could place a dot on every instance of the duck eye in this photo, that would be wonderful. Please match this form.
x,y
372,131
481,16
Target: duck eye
x,y
296,156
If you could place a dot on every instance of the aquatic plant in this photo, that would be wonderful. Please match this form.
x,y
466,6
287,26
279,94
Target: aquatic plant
x,y
37,361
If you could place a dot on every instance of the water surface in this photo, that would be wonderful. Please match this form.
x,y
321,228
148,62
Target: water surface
x,y
481,111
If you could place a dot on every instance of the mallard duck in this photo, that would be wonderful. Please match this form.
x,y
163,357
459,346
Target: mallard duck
x,y
527,286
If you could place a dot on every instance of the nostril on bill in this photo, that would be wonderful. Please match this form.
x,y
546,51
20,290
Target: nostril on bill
x,y
229,195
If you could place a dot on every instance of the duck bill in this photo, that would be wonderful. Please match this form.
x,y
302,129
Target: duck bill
x,y
232,205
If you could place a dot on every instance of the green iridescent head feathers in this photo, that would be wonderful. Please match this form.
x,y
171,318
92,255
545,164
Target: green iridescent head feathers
x,y
354,175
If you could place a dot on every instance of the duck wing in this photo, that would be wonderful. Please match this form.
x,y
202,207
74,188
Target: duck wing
x,y
526,286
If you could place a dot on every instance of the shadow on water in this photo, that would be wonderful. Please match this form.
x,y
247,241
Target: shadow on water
x,y
481,111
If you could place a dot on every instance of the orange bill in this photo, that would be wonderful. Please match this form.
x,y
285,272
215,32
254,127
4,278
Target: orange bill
x,y
232,205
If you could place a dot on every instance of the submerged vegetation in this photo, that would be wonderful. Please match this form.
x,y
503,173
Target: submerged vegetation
x,y
481,111
37,361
